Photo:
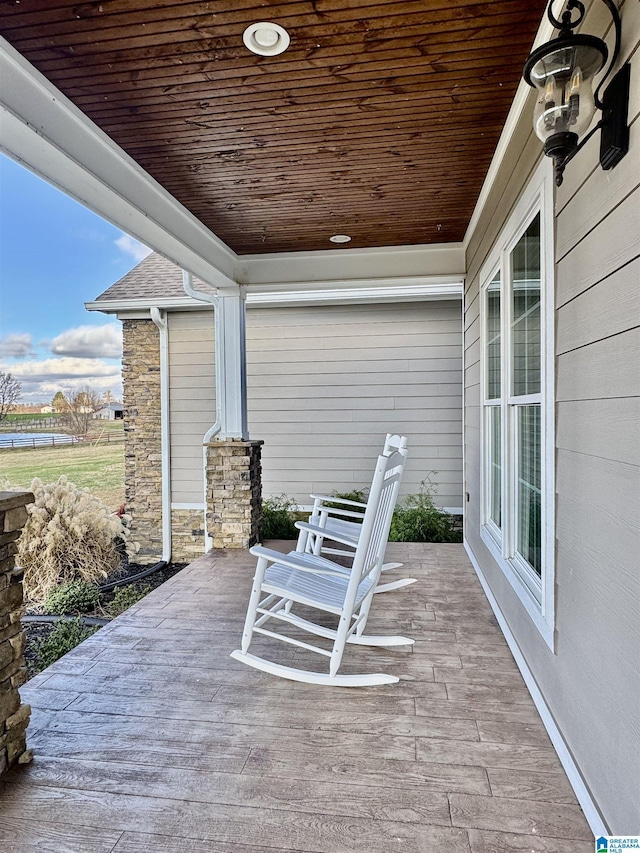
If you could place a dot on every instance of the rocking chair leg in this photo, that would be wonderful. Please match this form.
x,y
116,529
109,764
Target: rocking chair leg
x,y
254,600
399,584
307,677
339,644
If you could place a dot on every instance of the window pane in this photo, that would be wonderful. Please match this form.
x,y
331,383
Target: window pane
x,y
495,466
525,272
529,486
493,339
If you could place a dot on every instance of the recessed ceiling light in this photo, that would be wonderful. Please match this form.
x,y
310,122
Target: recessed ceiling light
x,y
340,238
266,39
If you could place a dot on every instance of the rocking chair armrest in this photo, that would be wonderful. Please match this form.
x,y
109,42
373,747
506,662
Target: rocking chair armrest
x,y
334,510
326,533
334,500
291,561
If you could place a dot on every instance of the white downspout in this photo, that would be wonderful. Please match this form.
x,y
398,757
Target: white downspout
x,y
200,295
160,319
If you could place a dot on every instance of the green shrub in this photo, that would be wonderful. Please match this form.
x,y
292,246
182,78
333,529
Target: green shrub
x,y
124,597
65,636
278,516
418,519
72,597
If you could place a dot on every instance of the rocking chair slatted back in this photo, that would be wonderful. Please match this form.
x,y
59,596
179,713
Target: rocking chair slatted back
x,y
336,524
388,473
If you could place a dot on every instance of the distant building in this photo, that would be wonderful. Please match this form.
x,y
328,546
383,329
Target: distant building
x,y
46,410
110,412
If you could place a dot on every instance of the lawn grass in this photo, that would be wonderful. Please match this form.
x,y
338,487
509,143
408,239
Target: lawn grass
x,y
99,469
18,417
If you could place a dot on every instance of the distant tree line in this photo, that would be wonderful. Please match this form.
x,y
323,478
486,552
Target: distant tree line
x,y
78,407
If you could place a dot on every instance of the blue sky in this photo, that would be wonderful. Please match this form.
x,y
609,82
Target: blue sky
x,y
55,255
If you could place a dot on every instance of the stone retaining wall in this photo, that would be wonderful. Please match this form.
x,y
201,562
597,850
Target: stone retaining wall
x,y
14,716
142,449
234,489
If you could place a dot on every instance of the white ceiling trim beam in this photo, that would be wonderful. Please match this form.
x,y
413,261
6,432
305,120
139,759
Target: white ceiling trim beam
x,y
42,129
351,265
350,292
306,293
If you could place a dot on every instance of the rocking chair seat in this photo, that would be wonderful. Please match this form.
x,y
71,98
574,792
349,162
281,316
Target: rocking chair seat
x,y
326,592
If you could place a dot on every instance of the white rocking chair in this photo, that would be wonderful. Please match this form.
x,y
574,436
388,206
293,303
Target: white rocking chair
x,y
325,522
307,579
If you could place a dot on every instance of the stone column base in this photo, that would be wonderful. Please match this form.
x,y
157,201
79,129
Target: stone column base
x,y
14,716
187,535
234,492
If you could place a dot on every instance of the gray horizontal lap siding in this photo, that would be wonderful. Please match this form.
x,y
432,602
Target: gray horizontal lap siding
x,y
192,399
324,385
592,683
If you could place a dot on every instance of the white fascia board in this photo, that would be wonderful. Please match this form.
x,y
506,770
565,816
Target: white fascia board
x,y
307,293
113,306
545,32
43,130
351,265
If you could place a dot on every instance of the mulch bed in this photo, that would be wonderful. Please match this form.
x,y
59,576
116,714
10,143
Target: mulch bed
x,y
36,631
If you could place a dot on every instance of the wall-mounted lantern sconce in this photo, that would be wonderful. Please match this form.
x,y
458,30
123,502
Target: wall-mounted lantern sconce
x,y
562,71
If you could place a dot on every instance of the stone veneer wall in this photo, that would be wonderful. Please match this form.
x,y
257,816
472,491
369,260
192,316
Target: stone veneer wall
x,y
234,493
143,456
187,535
14,716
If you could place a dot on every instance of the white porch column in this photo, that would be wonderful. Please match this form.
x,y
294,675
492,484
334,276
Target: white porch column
x,y
231,362
232,468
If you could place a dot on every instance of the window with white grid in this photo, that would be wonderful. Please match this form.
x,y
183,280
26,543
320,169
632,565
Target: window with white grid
x,y
517,401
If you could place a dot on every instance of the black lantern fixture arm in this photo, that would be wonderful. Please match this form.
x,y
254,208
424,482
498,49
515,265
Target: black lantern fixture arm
x,y
562,71
617,24
579,147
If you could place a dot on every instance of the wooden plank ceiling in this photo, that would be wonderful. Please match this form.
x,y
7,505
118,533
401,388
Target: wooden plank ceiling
x,y
379,121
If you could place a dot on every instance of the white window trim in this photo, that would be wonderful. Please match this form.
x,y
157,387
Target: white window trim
x,y
537,595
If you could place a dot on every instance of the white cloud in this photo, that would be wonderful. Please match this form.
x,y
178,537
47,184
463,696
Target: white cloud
x,y
57,369
89,342
16,346
133,247
41,379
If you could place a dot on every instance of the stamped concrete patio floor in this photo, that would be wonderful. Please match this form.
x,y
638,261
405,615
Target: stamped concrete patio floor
x,y
148,738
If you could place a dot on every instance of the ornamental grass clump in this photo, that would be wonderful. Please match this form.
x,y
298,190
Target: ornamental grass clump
x,y
70,536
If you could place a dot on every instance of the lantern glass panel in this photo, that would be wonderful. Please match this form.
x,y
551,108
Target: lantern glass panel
x,y
564,81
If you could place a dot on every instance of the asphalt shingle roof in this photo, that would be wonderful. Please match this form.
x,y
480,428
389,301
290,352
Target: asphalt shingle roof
x,y
154,277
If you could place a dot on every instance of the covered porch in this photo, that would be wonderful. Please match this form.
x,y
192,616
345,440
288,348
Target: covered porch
x,y
148,737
